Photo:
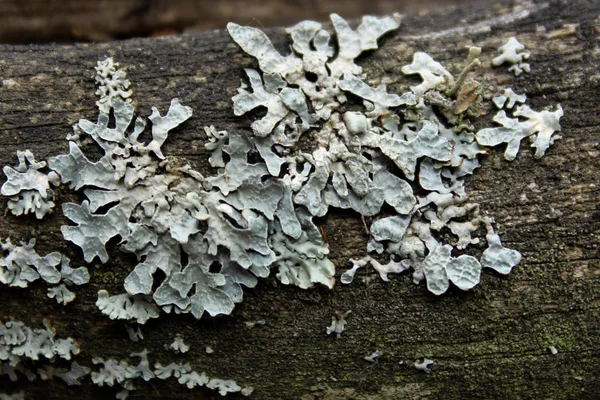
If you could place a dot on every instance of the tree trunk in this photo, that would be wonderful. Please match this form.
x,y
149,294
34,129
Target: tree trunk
x,y
490,342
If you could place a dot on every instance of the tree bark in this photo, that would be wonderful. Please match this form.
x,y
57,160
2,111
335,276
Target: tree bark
x,y
490,342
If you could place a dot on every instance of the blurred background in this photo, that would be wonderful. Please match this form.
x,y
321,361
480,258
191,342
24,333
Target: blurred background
x,y
64,21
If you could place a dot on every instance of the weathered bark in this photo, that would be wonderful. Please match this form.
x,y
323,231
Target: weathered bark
x,y
491,342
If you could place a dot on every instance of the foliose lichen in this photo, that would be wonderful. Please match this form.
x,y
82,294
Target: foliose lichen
x,y
21,264
29,189
20,344
13,396
122,374
352,162
250,218
178,345
399,158
423,365
512,53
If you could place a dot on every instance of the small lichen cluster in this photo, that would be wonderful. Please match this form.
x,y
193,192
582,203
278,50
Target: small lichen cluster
x,y
21,264
23,350
29,189
122,374
20,344
178,345
239,219
159,210
13,396
540,127
112,83
512,53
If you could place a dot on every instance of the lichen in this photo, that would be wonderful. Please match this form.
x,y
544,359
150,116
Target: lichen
x,y
20,343
250,217
28,188
21,264
329,140
540,127
13,396
126,306
338,323
423,365
70,376
61,294
178,345
512,53
120,373
339,175
373,356
112,83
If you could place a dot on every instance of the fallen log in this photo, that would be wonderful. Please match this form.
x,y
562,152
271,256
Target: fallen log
x,y
532,334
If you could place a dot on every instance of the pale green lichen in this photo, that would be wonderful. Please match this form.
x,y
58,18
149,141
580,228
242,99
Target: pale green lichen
x,y
255,213
250,218
29,189
61,294
21,264
512,53
178,345
122,374
19,344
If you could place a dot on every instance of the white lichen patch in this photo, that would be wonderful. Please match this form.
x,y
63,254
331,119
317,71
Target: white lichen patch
x,y
432,72
126,306
120,373
19,343
338,323
512,53
373,356
508,99
423,365
21,264
29,189
540,127
439,268
13,396
112,83
70,376
178,345
240,220
497,257
61,294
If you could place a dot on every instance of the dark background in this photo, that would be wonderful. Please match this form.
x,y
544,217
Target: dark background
x,y
43,21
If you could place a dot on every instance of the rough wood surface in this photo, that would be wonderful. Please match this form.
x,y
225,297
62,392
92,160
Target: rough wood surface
x,y
491,342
